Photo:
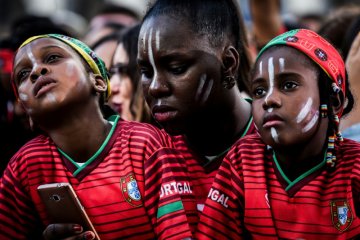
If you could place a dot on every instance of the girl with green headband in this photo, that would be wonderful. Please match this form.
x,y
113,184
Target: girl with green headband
x,y
297,178
114,166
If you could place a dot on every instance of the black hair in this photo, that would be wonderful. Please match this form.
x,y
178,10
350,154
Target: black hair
x,y
107,38
219,20
109,8
350,35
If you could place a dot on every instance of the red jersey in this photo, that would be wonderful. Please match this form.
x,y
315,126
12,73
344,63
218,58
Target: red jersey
x,y
117,189
201,173
252,198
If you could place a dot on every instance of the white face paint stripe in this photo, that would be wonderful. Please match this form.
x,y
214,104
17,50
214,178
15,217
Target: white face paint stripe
x,y
32,58
207,91
274,135
261,68
271,78
281,64
157,39
23,97
312,122
69,69
270,110
151,58
200,87
305,111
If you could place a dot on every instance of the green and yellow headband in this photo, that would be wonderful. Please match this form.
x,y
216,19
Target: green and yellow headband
x,y
96,64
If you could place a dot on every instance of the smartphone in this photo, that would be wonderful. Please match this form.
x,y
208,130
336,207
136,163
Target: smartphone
x,y
63,206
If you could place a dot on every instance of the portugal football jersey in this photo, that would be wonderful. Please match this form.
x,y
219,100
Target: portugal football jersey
x,y
201,172
252,198
118,186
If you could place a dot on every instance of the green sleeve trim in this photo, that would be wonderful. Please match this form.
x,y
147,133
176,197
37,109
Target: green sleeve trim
x,y
169,208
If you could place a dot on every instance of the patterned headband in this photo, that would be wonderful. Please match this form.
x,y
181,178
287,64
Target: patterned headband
x,y
317,49
96,64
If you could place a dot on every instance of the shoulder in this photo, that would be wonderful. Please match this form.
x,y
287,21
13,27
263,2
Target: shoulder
x,y
349,148
143,132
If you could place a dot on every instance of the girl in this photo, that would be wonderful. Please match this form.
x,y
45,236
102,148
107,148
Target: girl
x,y
63,85
126,91
193,70
299,179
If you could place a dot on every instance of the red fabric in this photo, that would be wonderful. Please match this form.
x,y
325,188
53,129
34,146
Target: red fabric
x,y
6,60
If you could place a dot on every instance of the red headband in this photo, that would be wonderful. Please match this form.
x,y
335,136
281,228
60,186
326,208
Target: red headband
x,y
6,60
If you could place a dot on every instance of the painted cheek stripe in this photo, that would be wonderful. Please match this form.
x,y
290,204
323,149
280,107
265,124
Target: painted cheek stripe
x,y
312,122
305,111
274,135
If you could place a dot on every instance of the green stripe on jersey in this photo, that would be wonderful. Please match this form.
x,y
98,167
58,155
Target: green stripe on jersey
x,y
170,208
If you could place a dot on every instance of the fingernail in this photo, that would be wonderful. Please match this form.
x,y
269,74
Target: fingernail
x,y
77,228
89,236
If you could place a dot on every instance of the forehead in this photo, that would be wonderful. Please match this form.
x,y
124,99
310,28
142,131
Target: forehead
x,y
172,32
292,57
39,45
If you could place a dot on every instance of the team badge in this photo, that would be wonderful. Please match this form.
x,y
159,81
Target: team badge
x,y
130,190
341,214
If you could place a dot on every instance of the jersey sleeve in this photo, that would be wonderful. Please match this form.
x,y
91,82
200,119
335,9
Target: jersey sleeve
x,y
168,194
222,216
17,212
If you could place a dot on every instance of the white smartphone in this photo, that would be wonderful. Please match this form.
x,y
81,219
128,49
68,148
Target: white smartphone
x,y
63,205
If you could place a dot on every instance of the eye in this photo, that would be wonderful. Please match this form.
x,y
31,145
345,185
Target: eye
x,y
52,58
22,75
259,92
290,85
177,70
146,72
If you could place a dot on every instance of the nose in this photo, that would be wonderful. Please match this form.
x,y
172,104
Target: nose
x,y
37,72
272,100
159,87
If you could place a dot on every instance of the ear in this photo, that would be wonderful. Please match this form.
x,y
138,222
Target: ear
x,y
230,61
99,83
337,102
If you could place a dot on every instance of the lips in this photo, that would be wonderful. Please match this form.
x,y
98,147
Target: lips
x,y
272,120
43,85
163,113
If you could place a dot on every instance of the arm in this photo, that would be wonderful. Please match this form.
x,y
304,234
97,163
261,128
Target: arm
x,y
221,217
18,217
266,18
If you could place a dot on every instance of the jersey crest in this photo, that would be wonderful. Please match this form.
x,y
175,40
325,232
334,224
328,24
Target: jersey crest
x,y
341,214
130,190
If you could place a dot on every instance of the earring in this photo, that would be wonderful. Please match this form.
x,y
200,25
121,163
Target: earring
x,y
228,82
324,110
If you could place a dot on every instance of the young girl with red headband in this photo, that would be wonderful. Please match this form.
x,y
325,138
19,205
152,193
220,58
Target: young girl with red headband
x,y
298,178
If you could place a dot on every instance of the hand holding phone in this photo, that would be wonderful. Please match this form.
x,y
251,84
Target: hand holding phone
x,y
63,205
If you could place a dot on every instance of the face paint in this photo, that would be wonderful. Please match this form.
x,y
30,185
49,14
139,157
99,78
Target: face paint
x,y
281,64
305,111
31,57
260,67
69,69
23,97
270,110
274,135
151,58
204,89
271,78
312,122
157,40
51,97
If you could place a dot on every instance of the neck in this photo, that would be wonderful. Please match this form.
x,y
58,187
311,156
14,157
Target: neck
x,y
220,129
79,135
300,158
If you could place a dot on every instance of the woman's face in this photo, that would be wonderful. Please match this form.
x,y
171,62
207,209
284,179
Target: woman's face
x,y
180,72
122,90
50,75
286,98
